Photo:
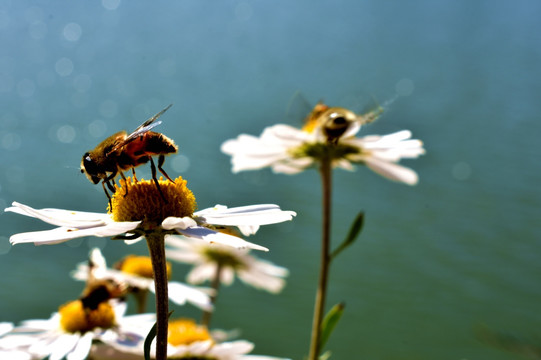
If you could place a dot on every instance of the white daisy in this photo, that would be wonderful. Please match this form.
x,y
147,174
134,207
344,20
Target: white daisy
x,y
136,272
140,203
186,340
328,133
206,258
67,333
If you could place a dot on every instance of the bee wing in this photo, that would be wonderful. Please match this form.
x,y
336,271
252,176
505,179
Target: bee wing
x,y
141,129
298,108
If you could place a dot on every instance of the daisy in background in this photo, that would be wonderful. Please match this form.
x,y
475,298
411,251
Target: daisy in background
x,y
186,340
220,264
329,132
326,141
70,331
135,272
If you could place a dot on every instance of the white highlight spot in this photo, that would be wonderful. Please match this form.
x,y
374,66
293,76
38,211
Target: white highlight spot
x,y
10,141
64,66
180,163
65,134
97,128
72,32
110,4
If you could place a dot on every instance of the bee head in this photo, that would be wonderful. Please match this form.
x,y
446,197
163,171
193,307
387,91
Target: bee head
x,y
90,169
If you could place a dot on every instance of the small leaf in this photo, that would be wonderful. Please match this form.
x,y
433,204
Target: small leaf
x,y
354,231
329,323
148,340
150,337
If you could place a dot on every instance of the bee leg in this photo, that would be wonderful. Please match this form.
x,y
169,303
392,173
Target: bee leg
x,y
106,193
161,160
125,182
134,177
153,169
109,185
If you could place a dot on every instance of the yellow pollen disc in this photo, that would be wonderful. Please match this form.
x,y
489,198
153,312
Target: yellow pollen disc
x,y
140,266
142,200
75,318
185,332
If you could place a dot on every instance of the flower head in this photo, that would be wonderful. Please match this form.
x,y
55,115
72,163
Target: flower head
x,y
232,262
329,133
186,340
137,209
68,332
135,273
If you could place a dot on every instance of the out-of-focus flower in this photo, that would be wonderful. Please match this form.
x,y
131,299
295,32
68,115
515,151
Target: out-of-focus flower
x,y
329,133
67,333
135,272
207,258
186,340
143,210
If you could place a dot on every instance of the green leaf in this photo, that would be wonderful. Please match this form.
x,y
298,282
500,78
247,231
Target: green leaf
x,y
329,323
148,340
354,231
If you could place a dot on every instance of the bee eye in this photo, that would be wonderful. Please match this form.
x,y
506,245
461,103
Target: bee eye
x,y
88,164
339,120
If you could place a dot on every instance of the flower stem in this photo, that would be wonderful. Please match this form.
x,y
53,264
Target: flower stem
x,y
321,294
156,247
207,314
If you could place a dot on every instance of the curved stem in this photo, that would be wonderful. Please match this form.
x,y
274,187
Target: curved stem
x,y
156,247
319,307
207,314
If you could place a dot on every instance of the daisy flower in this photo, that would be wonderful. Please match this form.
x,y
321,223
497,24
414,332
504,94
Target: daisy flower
x,y
135,272
152,209
67,333
186,340
142,210
206,259
328,133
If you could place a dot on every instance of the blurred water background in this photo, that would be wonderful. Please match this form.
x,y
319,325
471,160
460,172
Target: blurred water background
x,y
435,261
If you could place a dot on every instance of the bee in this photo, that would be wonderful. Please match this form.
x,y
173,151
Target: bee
x,y
335,122
121,152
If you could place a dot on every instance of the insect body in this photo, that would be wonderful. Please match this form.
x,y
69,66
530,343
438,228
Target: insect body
x,y
121,152
336,122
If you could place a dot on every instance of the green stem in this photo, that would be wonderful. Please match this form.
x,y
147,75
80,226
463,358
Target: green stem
x,y
207,314
319,307
156,247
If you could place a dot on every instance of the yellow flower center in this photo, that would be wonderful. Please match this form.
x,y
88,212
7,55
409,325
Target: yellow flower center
x,y
76,318
140,266
141,201
185,332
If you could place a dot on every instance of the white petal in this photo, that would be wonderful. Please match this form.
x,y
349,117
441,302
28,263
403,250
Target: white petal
x,y
180,293
63,345
5,327
62,234
393,171
212,236
244,215
59,217
172,222
201,273
82,348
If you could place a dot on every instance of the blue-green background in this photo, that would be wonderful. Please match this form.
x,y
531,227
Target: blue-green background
x,y
434,262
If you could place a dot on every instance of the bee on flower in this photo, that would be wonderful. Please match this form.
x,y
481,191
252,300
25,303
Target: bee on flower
x,y
136,274
329,133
